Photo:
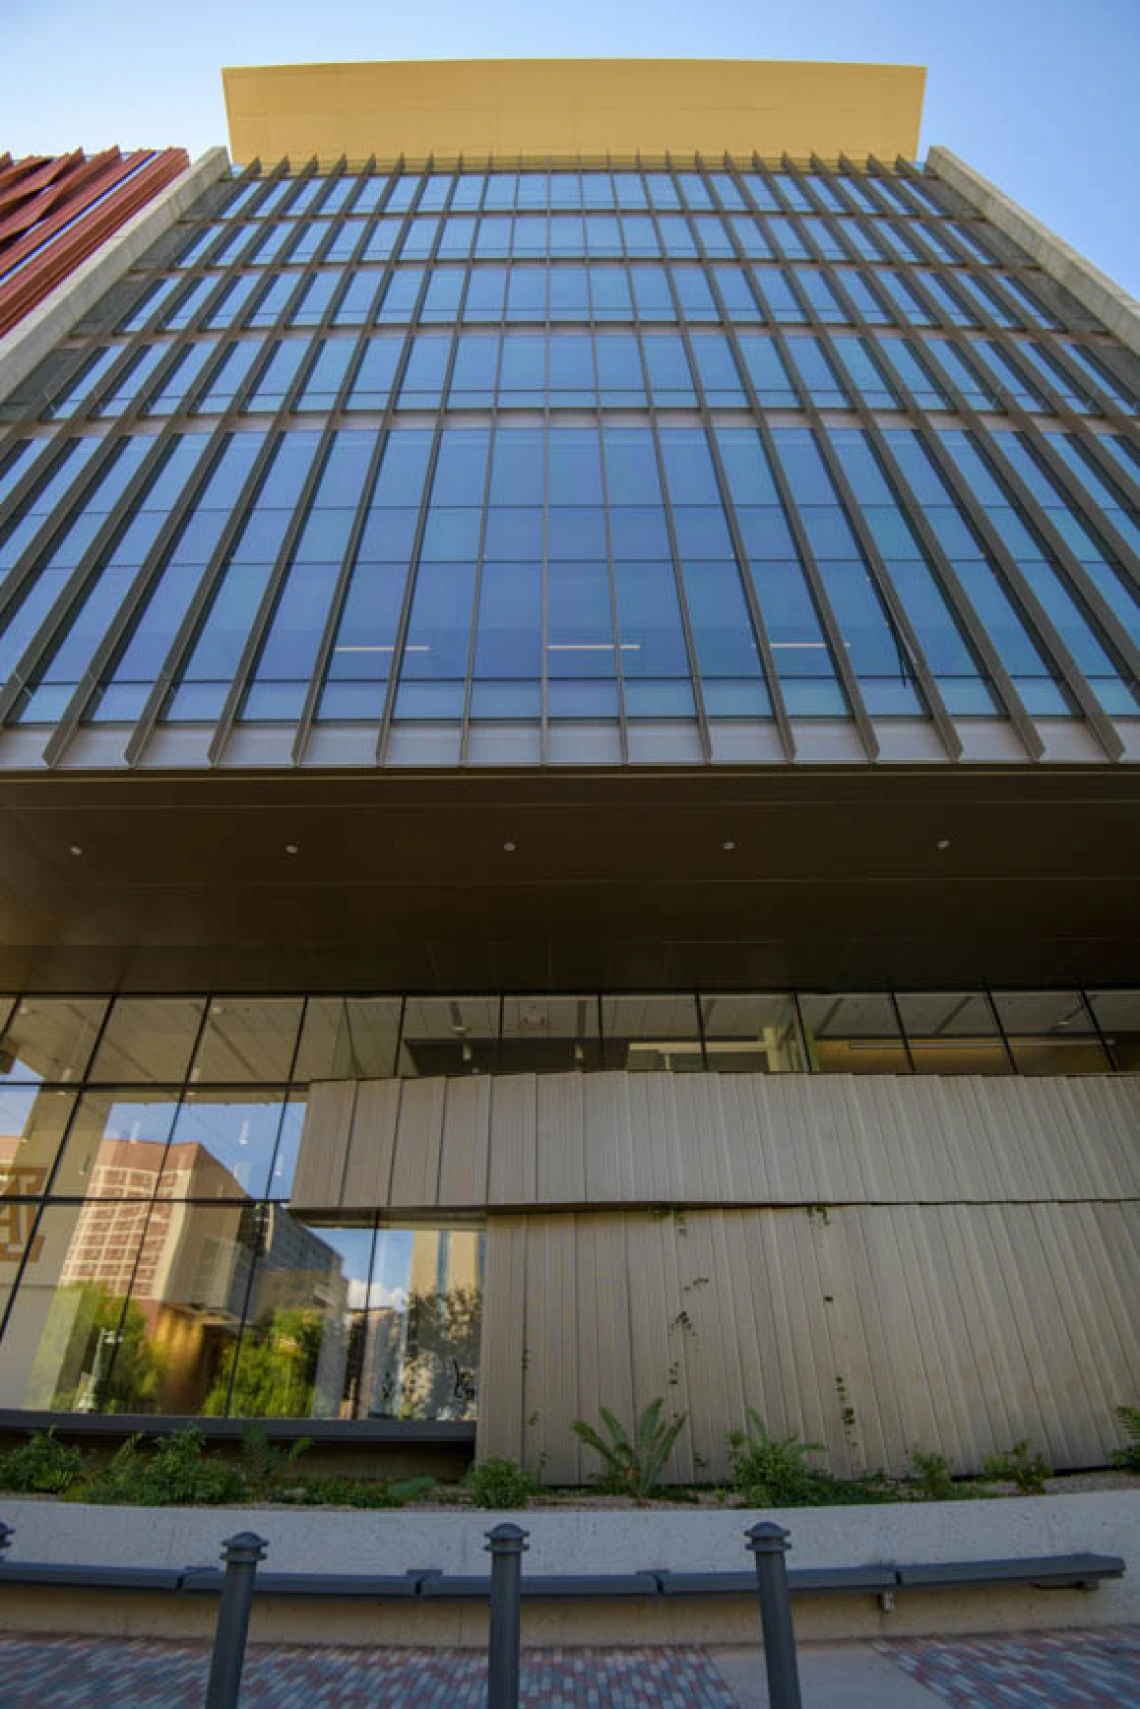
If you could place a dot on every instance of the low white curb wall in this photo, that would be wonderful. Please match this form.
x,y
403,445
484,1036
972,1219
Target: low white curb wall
x,y
577,1542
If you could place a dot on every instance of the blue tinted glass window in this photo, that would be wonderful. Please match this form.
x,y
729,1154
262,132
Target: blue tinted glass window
x,y
372,385
526,293
915,377
651,293
956,366
508,634
474,370
750,237
425,372
670,379
326,376
816,373
486,289
278,376
620,378
631,466
229,377
693,294
399,300
382,240
778,294
433,667
181,381
610,294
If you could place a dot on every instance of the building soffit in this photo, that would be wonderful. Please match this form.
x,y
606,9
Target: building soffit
x,y
832,881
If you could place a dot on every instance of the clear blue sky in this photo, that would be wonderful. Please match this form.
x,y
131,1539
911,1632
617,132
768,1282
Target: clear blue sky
x,y
1039,94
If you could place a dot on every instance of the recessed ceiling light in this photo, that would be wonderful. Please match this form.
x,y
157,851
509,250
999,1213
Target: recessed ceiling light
x,y
292,848
728,846
76,849
510,847
943,842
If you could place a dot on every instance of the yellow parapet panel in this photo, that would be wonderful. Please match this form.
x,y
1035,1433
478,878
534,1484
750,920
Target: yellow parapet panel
x,y
540,109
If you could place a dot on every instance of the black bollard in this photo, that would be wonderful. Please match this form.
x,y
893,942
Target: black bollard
x,y
505,1544
241,1555
769,1545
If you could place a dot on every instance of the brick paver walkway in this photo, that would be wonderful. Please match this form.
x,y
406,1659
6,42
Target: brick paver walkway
x,y
1036,1670
97,1673
1067,1670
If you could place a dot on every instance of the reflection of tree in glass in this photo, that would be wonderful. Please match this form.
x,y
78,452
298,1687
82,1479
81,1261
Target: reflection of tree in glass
x,y
441,1356
276,1368
102,1355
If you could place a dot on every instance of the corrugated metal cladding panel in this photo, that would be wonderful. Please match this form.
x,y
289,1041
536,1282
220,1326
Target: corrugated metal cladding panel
x,y
958,1328
619,1139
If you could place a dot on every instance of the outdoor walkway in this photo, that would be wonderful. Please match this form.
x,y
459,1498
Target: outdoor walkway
x,y
1070,1670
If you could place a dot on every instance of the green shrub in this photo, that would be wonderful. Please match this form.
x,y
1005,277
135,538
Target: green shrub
x,y
632,1467
773,1471
178,1473
266,1467
1019,1466
42,1465
498,1484
930,1477
1128,1458
360,1492
116,1482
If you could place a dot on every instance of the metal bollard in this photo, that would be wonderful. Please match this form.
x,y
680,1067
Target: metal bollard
x,y
506,1544
7,1532
769,1545
241,1555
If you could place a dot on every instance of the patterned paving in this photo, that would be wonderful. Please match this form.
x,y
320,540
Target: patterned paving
x,y
1038,1670
1068,1670
81,1673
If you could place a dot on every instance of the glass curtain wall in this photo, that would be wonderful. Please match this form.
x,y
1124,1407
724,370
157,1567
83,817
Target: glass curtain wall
x,y
714,443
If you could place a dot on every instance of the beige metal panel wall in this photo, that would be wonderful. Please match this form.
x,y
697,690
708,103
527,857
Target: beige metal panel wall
x,y
872,1329
617,1138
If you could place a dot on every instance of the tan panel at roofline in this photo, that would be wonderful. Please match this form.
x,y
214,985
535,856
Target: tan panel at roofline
x,y
716,1139
874,1330
543,108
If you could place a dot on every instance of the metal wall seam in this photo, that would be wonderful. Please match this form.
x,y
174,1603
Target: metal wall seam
x,y
88,567
134,599
772,684
1112,632
838,651
1023,596
437,430
667,501
947,577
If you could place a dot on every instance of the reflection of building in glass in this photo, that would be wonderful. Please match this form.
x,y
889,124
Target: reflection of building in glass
x,y
422,1352
185,1265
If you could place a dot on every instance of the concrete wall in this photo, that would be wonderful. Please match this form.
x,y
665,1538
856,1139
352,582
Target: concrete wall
x,y
1094,290
678,1539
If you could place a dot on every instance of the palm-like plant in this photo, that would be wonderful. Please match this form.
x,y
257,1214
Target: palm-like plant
x,y
632,1467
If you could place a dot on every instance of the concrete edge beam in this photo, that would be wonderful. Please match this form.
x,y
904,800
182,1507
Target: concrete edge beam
x,y
37,335
1094,290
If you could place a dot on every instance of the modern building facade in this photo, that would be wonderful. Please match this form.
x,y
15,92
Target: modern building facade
x,y
569,758
57,211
